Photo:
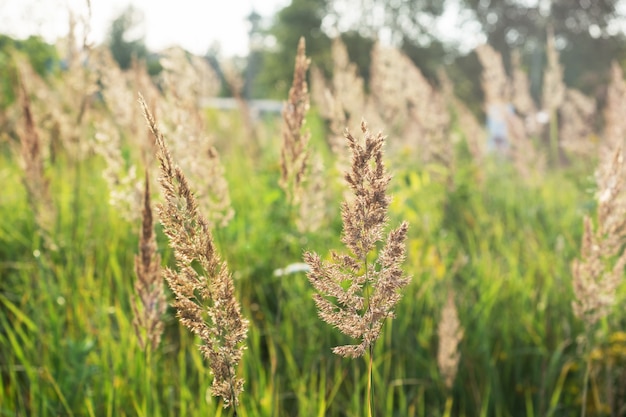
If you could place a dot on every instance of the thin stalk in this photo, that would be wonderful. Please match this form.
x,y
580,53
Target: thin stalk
x,y
583,411
370,397
554,137
448,410
148,381
232,392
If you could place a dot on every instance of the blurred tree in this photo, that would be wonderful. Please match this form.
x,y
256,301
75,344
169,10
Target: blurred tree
x,y
214,57
300,18
42,56
397,21
360,52
428,58
586,32
404,23
124,39
255,54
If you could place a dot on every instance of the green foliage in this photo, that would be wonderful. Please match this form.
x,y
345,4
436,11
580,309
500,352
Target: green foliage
x,y
42,57
120,41
300,18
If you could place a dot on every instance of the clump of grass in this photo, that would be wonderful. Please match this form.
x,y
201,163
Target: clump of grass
x,y
205,304
147,319
355,293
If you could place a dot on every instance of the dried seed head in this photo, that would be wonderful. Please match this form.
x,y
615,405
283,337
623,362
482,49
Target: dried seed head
x,y
594,281
294,154
206,303
148,302
354,294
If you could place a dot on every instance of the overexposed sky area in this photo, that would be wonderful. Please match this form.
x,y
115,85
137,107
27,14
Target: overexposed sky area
x,y
195,25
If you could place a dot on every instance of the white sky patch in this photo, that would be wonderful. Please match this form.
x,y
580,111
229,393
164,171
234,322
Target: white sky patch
x,y
456,25
459,26
195,25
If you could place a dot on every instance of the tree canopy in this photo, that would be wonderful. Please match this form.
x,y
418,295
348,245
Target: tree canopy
x,y
124,41
587,35
42,56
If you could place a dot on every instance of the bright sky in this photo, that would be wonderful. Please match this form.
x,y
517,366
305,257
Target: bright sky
x,y
193,24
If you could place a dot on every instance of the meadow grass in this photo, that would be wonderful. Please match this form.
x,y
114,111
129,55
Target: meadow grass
x,y
503,243
68,345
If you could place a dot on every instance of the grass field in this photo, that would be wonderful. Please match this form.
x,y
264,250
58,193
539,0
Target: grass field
x,y
504,245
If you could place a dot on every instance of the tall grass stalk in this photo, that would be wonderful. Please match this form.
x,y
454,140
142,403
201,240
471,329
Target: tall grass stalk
x,y
354,293
148,303
294,155
205,304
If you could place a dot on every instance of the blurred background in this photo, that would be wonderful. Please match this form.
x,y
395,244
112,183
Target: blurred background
x,y
261,36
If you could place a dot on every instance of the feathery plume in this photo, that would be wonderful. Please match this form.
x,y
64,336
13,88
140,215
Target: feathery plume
x,y
410,104
147,320
125,189
553,86
355,294
594,283
553,93
345,101
34,178
216,198
117,89
576,128
320,94
301,179
473,131
450,334
183,118
188,79
495,82
313,200
348,86
205,304
615,123
520,94
521,98
294,155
